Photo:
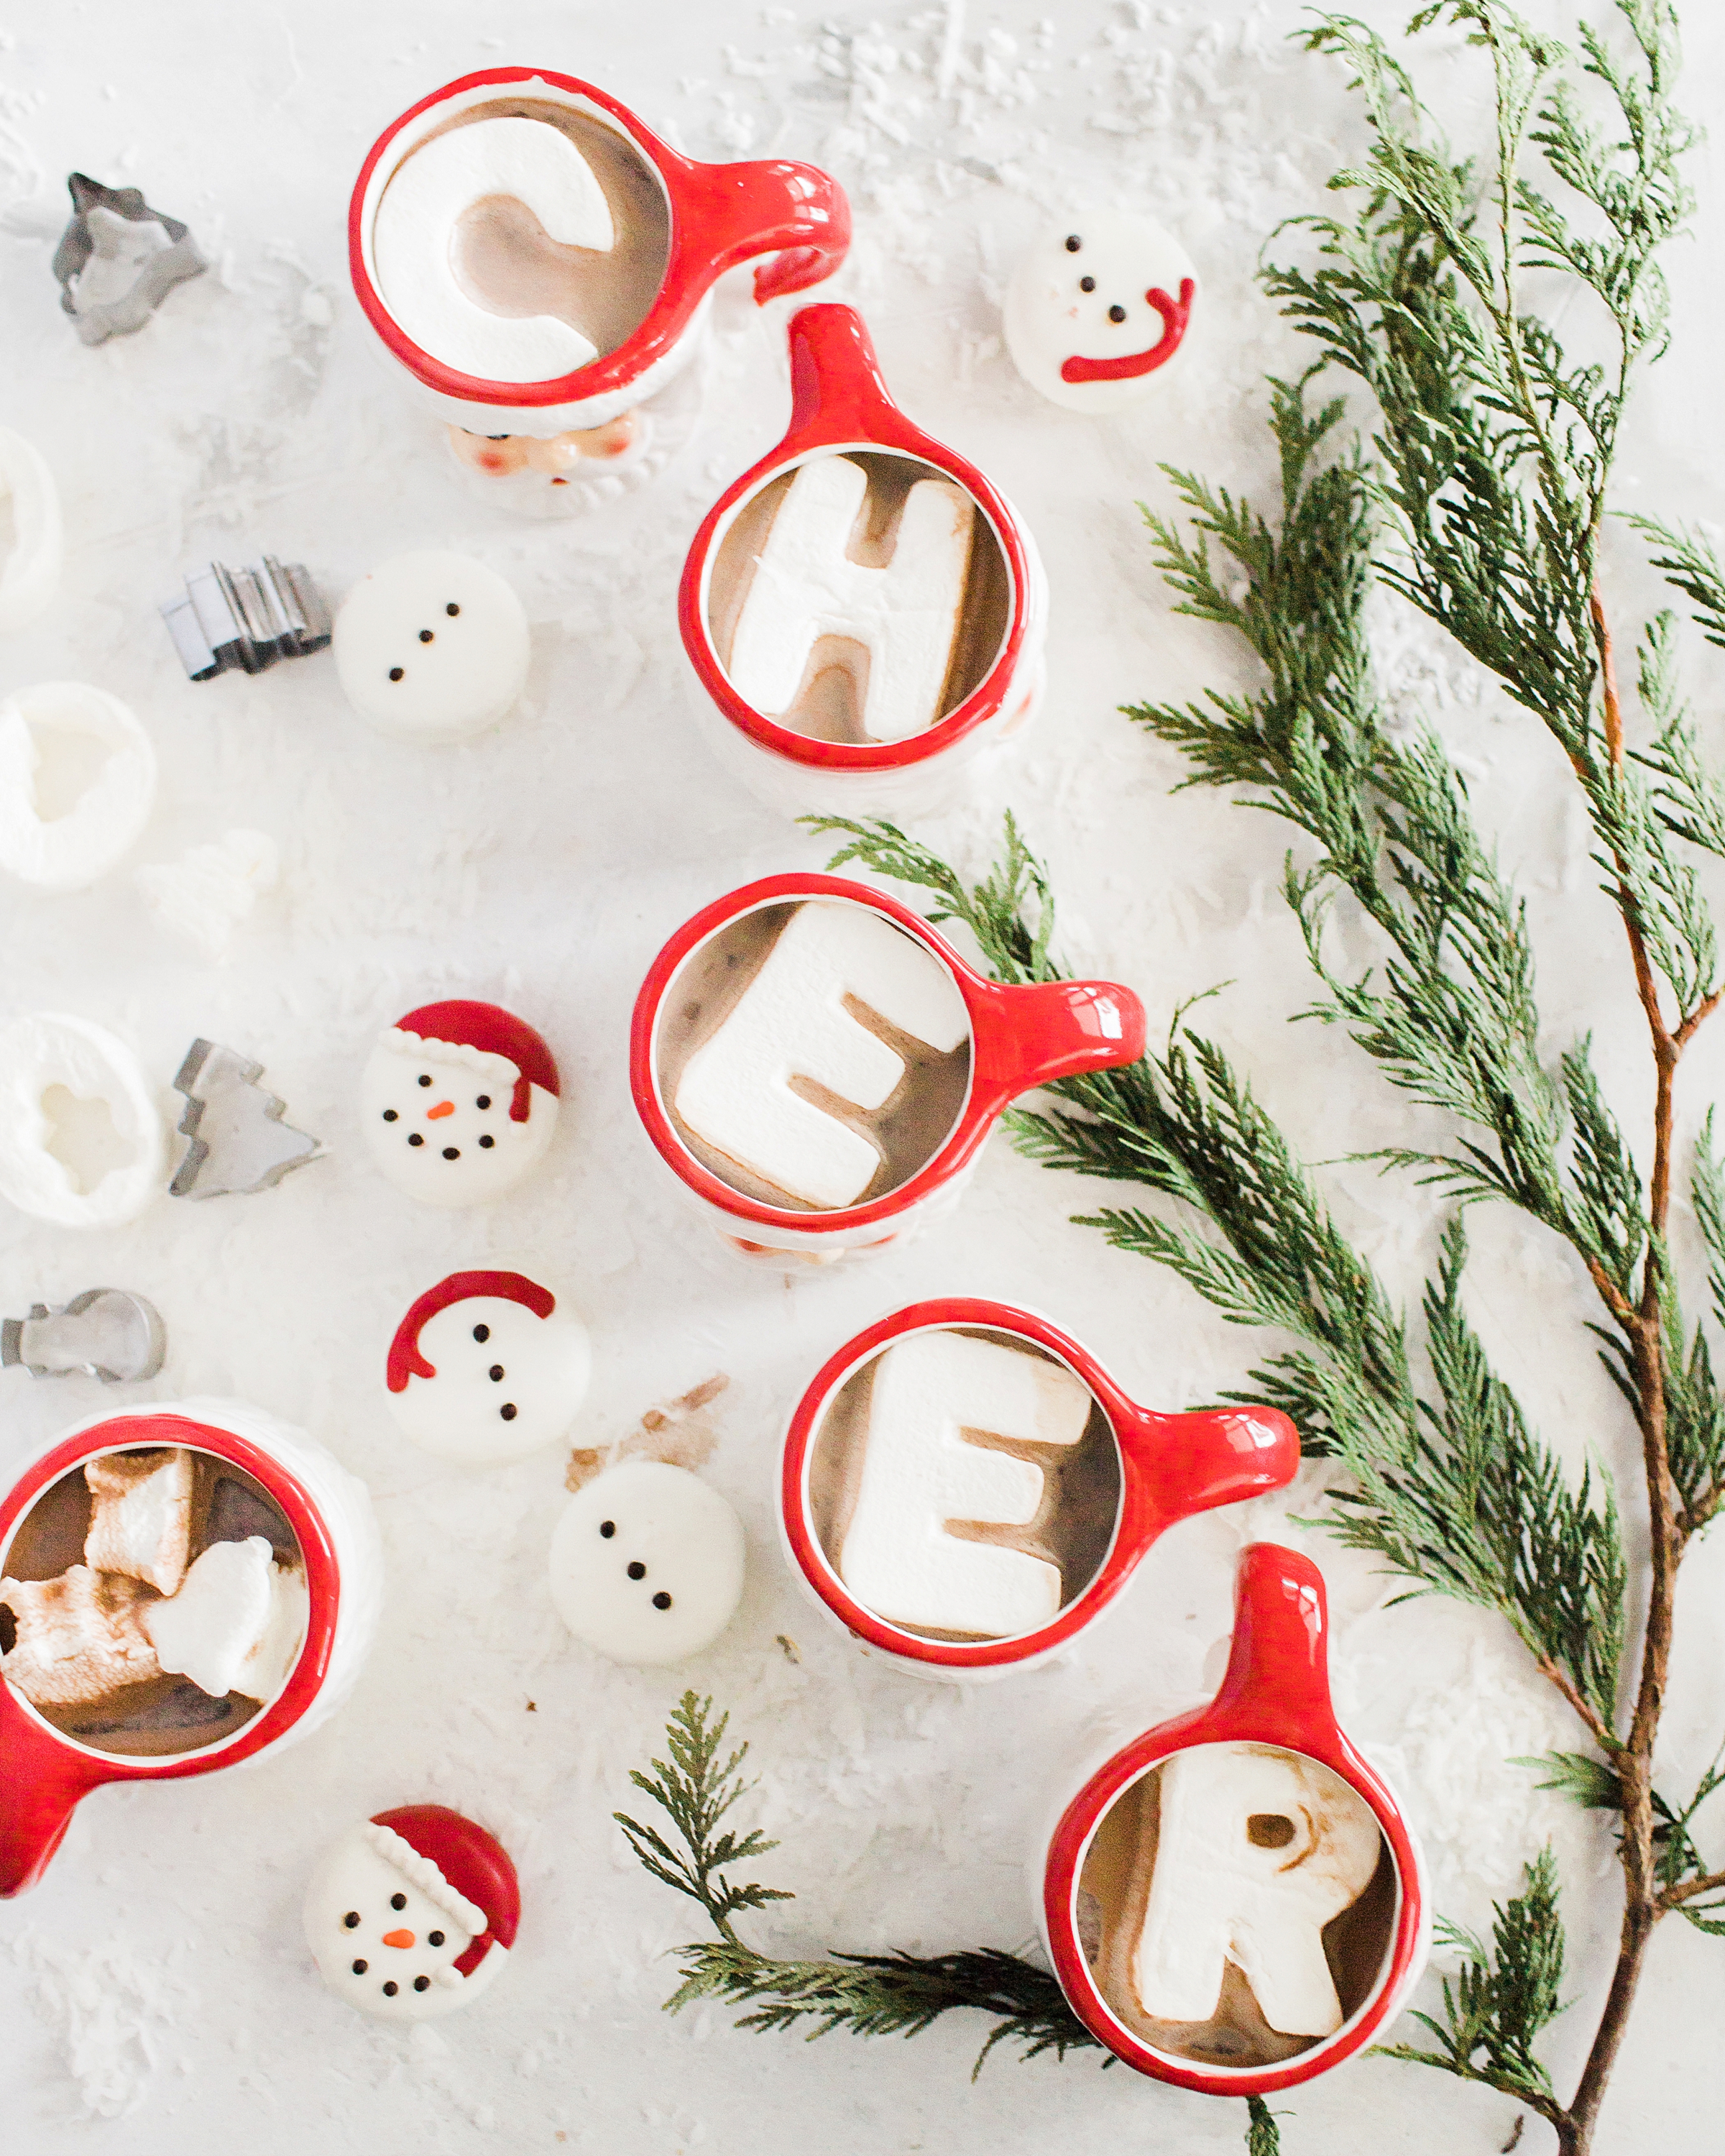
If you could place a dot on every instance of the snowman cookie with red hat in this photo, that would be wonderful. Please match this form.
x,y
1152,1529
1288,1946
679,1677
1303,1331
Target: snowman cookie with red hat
x,y
459,1100
413,1913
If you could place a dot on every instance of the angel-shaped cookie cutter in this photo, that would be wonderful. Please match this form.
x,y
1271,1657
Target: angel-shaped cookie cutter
x,y
246,619
118,260
105,1332
236,1140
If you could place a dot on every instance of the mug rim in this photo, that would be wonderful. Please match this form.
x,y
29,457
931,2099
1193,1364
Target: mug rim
x,y
1081,1820
275,1717
970,1128
947,1314
988,696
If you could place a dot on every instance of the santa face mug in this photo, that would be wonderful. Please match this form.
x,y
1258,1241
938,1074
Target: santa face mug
x,y
181,1589
807,1133
863,610
540,262
1235,1902
987,1417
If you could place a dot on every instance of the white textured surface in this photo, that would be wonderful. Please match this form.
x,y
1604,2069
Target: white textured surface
x,y
158,1972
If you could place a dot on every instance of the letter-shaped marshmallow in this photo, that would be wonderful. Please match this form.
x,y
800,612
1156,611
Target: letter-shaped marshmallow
x,y
413,238
791,1022
806,587
937,1400
1257,1849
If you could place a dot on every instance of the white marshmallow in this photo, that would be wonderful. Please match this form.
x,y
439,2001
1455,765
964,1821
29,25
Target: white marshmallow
x,y
1061,336
790,1022
1217,1895
140,1515
235,1624
207,896
936,1400
463,677
30,575
686,1542
413,233
39,1053
805,587
70,852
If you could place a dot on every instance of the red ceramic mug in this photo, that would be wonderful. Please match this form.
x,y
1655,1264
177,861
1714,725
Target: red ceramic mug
x,y
1017,1037
840,406
1138,1472
1263,1766
716,217
44,1770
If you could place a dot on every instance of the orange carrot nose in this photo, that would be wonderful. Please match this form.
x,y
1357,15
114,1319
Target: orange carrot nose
x,y
397,1939
443,1108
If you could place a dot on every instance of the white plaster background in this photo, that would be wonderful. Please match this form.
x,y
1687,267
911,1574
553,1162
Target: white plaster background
x,y
154,1992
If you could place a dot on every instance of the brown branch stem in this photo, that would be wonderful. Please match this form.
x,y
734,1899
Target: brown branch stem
x,y
1686,1890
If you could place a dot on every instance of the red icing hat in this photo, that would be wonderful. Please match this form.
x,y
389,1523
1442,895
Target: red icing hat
x,y
405,1359
467,1859
493,1031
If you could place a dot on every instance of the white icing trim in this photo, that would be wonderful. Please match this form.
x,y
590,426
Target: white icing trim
x,y
394,1849
418,1048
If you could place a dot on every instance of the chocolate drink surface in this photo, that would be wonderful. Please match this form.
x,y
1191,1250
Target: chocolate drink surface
x,y
1114,1893
1073,1527
165,1714
908,1128
829,700
507,261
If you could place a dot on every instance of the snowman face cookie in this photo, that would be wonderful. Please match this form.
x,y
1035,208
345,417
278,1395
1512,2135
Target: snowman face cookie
x,y
1098,308
647,1564
432,647
485,1368
459,1102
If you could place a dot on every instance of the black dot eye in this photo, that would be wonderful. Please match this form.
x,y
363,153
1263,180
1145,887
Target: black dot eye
x,y
424,1078
360,1967
483,1101
397,1901
389,1990
1073,243
351,1919
1116,314
496,1374
661,1600
607,1528
637,1570
452,609
395,672
391,1116
481,1333
422,1983
434,1939
452,1153
507,1411
414,1138
1086,283
486,1142
425,635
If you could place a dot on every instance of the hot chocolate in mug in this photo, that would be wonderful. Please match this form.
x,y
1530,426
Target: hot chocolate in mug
x,y
540,262
182,1589
863,610
819,1069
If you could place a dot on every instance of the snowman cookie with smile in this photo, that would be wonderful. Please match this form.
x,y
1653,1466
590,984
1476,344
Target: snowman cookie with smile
x,y
1098,309
459,1102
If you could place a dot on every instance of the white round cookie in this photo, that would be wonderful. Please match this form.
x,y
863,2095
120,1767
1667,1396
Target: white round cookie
x,y
432,647
48,1053
647,1564
70,850
505,1381
1104,348
356,1880
452,1165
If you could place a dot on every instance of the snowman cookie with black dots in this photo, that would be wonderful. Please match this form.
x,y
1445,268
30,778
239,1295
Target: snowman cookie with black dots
x,y
647,1563
1099,310
459,1102
487,1367
432,647
413,1913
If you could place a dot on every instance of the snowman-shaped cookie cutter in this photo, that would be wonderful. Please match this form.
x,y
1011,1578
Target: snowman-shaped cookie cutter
x,y
1168,1467
46,1772
1273,1701
841,404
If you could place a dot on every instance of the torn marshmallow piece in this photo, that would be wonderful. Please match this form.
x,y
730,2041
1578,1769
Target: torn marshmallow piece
x,y
208,893
413,240
1256,1849
937,1400
59,847
806,587
236,1623
140,1515
30,571
52,1068
735,1092
78,1637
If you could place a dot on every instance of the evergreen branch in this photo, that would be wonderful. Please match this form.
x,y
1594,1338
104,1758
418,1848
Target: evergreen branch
x,y
1690,564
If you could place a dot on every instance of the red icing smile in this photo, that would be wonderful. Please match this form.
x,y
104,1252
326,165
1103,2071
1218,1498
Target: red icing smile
x,y
1175,314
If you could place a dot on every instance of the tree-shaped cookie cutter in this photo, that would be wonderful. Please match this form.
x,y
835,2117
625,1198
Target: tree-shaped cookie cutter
x,y
236,1140
97,231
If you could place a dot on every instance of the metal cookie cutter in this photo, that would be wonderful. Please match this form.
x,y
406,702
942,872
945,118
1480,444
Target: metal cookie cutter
x,y
246,617
118,260
105,1333
237,1140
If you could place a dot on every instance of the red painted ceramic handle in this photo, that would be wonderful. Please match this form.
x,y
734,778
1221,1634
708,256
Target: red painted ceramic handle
x,y
1183,1464
1277,1688
1053,1029
838,393
41,1781
796,212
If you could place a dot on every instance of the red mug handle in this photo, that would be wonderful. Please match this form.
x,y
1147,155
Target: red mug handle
x,y
1277,1688
41,1781
1179,1464
776,206
1036,1032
